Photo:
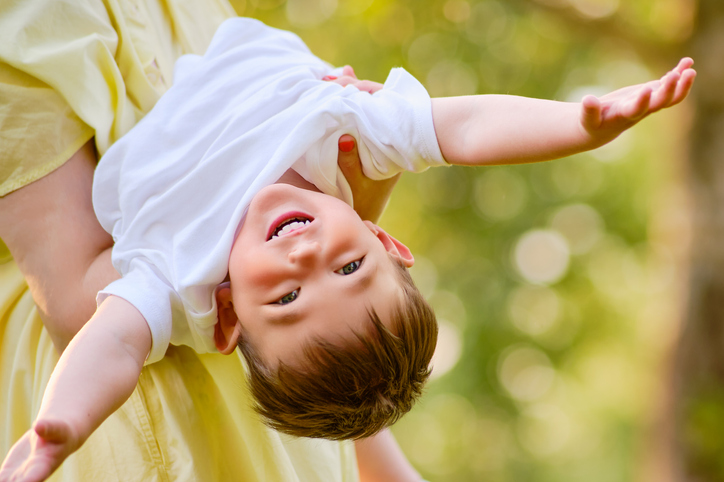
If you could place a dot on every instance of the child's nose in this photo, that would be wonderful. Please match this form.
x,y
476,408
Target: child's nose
x,y
305,253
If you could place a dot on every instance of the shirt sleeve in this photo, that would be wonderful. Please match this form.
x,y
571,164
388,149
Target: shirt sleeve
x,y
393,128
152,297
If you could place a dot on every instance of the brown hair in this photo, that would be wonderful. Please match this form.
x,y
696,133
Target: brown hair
x,y
356,389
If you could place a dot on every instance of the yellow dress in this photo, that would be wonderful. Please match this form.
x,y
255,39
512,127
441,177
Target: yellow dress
x,y
70,71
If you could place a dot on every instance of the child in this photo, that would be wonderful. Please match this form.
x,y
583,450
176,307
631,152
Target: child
x,y
313,290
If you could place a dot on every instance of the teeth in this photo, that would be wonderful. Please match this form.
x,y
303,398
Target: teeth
x,y
287,228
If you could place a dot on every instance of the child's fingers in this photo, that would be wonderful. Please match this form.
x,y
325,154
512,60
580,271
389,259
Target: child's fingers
x,y
684,85
663,96
684,64
590,112
640,106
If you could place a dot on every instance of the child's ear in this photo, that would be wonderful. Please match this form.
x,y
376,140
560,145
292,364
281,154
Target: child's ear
x,y
227,329
392,245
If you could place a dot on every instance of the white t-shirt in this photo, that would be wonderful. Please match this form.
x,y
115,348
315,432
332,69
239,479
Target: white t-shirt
x,y
174,190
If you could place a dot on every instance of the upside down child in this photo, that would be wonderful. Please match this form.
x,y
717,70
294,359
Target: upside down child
x,y
234,227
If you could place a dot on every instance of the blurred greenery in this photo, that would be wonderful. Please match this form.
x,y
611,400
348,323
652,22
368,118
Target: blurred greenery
x,y
557,285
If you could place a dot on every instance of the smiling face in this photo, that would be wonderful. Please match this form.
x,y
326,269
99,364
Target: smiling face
x,y
305,266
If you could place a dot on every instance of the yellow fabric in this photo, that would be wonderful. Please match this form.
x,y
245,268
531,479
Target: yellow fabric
x,y
188,419
69,70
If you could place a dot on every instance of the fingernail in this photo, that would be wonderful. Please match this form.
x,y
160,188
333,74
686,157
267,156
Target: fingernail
x,y
346,146
329,77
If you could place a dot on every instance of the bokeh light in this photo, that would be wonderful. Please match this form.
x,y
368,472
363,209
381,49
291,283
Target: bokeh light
x,y
542,256
525,372
448,349
580,224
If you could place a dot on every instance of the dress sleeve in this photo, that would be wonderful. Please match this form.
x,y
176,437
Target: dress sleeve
x,y
38,129
71,71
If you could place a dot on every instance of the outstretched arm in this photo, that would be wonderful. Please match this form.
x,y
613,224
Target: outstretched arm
x,y
502,129
95,375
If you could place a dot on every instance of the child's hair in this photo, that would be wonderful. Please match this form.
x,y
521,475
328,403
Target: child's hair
x,y
354,390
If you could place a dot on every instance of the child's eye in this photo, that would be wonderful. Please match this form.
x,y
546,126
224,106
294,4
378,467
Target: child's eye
x,y
350,268
288,298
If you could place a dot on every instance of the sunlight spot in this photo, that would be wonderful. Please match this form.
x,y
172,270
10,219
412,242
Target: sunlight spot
x,y
580,224
534,310
448,350
456,10
595,8
525,372
542,256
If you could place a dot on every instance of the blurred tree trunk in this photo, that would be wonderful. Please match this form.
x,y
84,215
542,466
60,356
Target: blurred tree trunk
x,y
699,383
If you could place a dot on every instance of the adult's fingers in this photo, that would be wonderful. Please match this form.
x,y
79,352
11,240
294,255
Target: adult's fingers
x,y
348,71
368,86
370,197
348,158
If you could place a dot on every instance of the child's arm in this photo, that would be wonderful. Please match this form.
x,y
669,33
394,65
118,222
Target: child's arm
x,y
95,375
380,459
502,129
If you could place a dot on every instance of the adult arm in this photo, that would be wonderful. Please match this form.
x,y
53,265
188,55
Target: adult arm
x,y
504,129
54,236
380,459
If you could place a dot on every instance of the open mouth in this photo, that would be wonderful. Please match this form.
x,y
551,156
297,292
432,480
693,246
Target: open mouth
x,y
287,224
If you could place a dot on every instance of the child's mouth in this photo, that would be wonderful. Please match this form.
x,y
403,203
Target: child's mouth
x,y
288,223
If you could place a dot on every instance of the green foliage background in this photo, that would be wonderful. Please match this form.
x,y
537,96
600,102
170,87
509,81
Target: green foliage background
x,y
556,284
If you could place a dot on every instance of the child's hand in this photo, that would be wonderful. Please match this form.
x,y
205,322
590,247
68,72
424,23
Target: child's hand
x,y
603,119
349,78
39,452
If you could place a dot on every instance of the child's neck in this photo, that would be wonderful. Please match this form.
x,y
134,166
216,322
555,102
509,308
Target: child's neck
x,y
293,178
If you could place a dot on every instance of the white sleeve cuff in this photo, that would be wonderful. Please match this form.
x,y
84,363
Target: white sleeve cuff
x,y
152,298
408,87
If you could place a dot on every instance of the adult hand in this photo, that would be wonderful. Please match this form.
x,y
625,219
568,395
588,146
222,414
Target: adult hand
x,y
348,77
370,197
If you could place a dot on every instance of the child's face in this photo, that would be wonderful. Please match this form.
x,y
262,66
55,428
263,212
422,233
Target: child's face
x,y
319,279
